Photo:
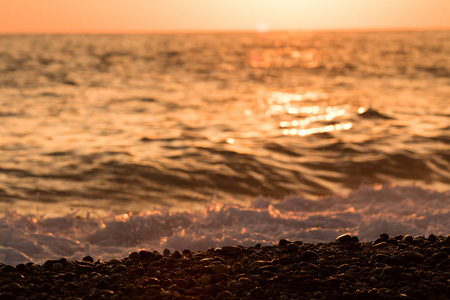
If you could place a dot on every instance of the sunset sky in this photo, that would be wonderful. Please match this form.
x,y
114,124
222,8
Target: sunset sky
x,y
90,16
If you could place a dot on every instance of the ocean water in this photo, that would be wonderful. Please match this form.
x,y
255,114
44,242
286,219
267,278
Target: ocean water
x,y
113,143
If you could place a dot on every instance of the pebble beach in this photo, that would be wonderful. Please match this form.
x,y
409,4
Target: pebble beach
x,y
389,267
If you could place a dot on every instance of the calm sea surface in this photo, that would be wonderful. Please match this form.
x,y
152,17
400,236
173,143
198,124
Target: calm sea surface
x,y
130,122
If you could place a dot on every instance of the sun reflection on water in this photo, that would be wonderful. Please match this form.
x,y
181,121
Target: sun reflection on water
x,y
312,113
286,57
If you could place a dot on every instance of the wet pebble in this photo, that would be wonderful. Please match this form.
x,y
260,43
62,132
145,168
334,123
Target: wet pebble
x,y
232,250
309,255
344,238
405,267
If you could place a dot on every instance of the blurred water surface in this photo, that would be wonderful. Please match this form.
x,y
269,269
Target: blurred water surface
x,y
130,122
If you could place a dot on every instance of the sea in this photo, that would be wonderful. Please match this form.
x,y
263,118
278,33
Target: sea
x,y
114,143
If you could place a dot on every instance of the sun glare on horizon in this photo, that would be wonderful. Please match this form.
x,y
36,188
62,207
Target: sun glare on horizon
x,y
262,27
53,16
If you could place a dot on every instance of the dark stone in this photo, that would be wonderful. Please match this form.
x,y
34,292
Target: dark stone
x,y
355,239
344,238
88,259
440,255
177,254
269,268
224,295
283,242
309,255
57,267
7,296
414,256
21,268
292,248
232,250
378,240
408,238
354,270
383,257
214,290
384,236
392,241
103,284
145,255
8,269
380,245
432,238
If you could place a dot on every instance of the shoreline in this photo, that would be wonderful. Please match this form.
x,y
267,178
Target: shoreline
x,y
390,267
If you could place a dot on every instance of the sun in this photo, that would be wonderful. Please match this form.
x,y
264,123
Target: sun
x,y
262,27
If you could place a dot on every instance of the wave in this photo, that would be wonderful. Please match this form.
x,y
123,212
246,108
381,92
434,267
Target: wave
x,y
366,212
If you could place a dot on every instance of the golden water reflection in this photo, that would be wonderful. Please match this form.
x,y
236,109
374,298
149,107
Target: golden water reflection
x,y
322,129
312,111
286,57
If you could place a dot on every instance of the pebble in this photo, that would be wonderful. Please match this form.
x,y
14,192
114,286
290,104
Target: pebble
x,y
411,268
283,242
309,255
232,250
292,247
177,254
344,238
8,269
380,245
221,268
440,256
415,256
224,295
88,259
57,267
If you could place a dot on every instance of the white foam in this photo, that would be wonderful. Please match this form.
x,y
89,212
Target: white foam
x,y
366,213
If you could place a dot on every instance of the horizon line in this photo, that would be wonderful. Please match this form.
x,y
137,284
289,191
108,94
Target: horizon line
x,y
209,31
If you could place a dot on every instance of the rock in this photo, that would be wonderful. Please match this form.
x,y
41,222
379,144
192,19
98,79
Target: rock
x,y
237,268
383,257
344,238
432,238
440,256
232,250
177,254
221,268
380,245
379,240
292,248
355,270
384,236
8,269
224,295
115,261
204,279
414,256
88,259
309,255
283,242
145,255
57,267
259,263
408,238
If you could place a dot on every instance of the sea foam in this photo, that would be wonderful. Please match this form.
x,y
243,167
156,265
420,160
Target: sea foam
x,y
366,212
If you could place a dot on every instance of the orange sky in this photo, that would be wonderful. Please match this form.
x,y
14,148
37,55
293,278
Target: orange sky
x,y
60,16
